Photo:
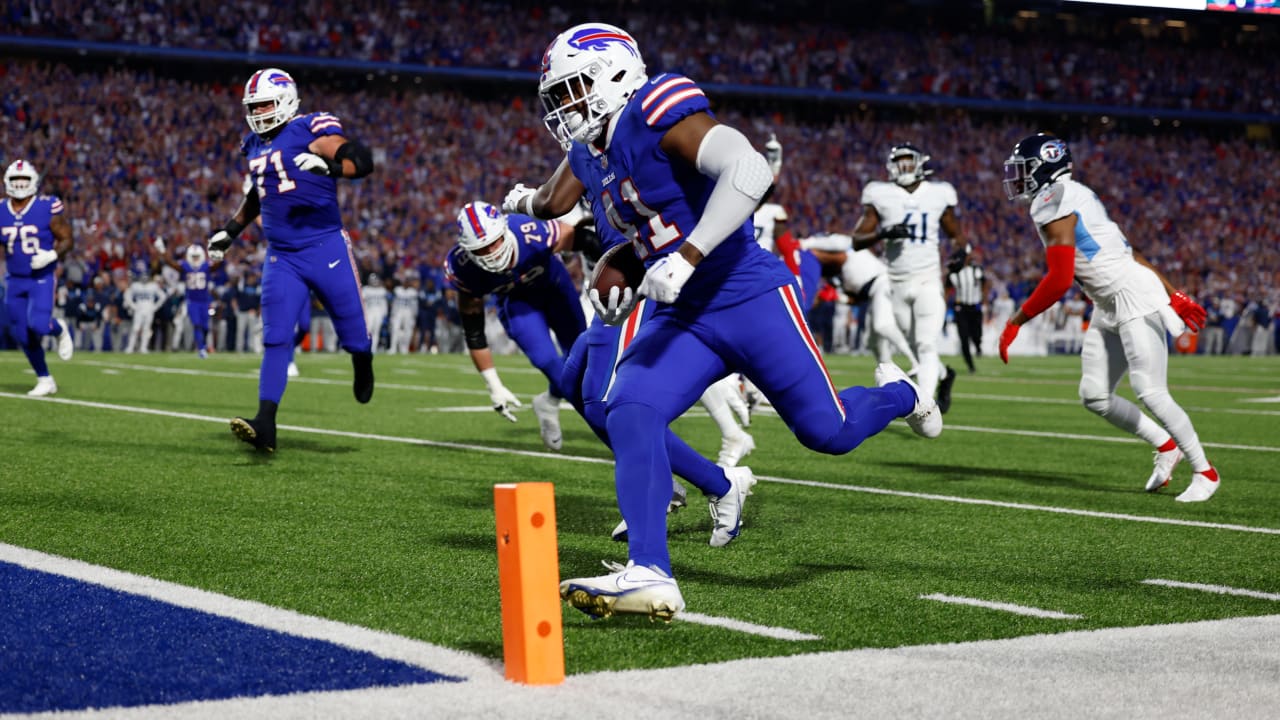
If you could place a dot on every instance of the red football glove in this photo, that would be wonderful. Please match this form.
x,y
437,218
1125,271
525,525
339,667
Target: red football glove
x,y
1006,339
1189,310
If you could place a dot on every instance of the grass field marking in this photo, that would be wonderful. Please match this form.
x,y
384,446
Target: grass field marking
x,y
1275,399
1220,589
1006,607
768,631
1173,386
1062,401
605,461
414,652
1096,438
1021,506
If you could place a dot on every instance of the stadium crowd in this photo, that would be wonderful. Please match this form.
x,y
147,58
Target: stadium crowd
x,y
1113,63
138,156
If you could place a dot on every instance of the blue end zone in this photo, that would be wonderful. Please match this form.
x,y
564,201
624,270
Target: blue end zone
x,y
70,645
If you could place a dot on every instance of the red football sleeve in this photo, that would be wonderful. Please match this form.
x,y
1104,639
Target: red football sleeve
x,y
789,251
1062,268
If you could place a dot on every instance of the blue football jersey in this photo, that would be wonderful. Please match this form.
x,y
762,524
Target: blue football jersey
x,y
26,232
535,242
197,281
635,187
298,207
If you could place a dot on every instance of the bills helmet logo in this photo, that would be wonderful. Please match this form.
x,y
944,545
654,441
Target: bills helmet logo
x,y
1053,151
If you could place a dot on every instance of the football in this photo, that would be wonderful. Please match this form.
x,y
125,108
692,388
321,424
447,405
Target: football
x,y
618,267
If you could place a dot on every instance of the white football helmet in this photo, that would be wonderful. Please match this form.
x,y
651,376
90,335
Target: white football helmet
x,y
21,180
270,86
907,165
483,234
588,74
195,256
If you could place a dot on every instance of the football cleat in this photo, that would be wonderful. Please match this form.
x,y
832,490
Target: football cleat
x,y
202,354
1164,464
1200,489
362,363
733,449
44,386
726,511
66,348
293,370
547,409
260,435
630,590
679,498
924,419
944,390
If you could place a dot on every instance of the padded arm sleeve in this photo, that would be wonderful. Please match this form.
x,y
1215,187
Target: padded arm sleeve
x,y
1062,268
359,155
742,176
473,330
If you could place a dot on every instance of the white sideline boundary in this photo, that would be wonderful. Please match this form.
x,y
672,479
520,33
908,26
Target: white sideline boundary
x,y
605,461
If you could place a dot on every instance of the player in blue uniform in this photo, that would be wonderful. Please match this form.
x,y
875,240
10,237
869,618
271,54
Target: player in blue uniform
x,y
36,235
515,258
658,167
194,269
295,161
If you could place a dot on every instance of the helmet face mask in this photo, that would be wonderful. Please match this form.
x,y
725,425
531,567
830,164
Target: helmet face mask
x,y
21,180
1036,162
270,100
482,233
906,165
588,74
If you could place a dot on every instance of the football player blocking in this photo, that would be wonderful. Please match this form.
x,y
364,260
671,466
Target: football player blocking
x,y
1133,306
294,163
682,188
36,234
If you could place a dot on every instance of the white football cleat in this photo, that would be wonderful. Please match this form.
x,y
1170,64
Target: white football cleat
x,y
679,498
925,419
733,449
547,409
726,511
66,348
44,386
630,590
1200,489
293,370
1164,464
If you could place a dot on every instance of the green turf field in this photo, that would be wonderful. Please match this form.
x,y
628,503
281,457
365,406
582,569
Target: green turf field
x,y
385,518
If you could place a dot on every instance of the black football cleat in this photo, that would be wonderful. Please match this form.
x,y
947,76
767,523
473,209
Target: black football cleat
x,y
944,390
362,363
259,434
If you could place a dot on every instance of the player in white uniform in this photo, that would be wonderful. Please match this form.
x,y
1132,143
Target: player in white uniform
x,y
404,312
1133,305
374,295
864,274
144,296
906,213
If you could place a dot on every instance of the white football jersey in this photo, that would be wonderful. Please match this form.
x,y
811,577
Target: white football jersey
x,y
375,298
921,211
766,221
1121,288
406,300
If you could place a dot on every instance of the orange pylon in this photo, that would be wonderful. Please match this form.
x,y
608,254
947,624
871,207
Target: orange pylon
x,y
529,579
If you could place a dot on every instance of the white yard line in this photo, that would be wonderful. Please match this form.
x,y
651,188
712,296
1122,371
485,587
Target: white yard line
x,y
1062,401
1096,438
1220,589
742,626
605,461
1005,607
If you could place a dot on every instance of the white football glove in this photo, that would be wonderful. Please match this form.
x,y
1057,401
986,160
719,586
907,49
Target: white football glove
x,y
159,245
620,304
773,153
516,198
219,242
43,258
311,163
665,278
503,401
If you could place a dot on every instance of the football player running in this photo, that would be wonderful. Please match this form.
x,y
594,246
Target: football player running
x,y
906,213
682,187
1133,305
295,162
515,257
36,235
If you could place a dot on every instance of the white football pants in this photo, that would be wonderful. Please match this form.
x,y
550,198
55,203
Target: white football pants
x,y
920,307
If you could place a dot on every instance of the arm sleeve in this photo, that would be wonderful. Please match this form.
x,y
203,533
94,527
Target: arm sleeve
x,y
1062,267
742,176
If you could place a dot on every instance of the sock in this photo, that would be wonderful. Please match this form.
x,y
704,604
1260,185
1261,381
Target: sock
x,y
275,372
35,354
643,479
1210,473
699,471
1167,446
266,412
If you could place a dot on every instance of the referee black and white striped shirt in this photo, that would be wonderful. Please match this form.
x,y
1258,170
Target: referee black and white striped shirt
x,y
968,284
